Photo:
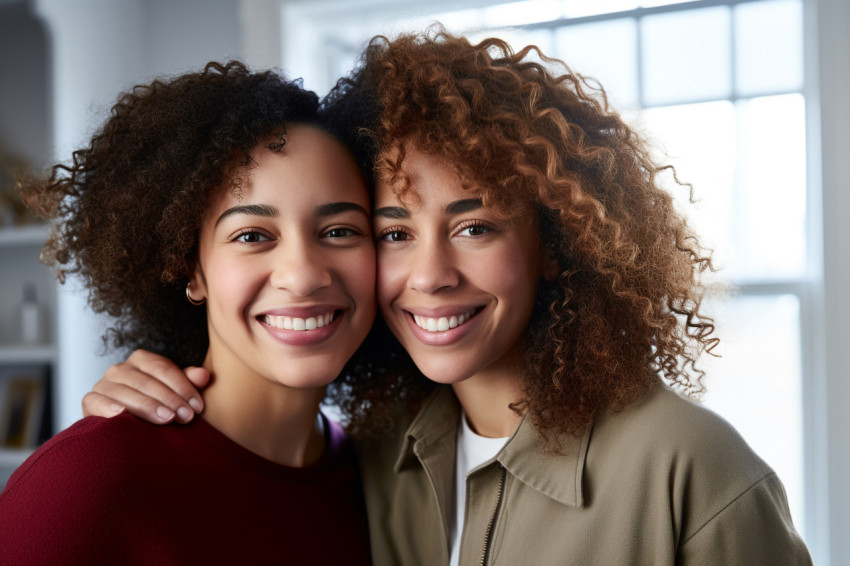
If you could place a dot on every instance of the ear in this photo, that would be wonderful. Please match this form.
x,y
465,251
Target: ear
x,y
550,267
198,284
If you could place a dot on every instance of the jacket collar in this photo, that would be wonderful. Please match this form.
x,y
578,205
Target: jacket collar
x,y
439,416
557,476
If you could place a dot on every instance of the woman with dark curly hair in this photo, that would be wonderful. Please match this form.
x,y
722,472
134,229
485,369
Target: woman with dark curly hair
x,y
220,224
533,270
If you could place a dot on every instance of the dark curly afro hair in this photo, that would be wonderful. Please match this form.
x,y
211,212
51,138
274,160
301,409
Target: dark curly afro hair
x,y
127,210
624,314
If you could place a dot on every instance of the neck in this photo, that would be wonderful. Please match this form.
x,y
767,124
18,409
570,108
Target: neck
x,y
277,422
486,398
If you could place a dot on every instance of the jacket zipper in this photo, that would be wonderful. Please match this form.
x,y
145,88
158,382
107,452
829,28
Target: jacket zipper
x,y
488,536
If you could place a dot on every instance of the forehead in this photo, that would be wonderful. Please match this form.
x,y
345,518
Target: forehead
x,y
429,177
312,166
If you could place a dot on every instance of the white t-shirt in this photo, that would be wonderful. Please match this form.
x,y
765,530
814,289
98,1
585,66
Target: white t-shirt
x,y
472,450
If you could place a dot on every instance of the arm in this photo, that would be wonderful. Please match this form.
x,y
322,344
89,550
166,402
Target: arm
x,y
755,528
150,387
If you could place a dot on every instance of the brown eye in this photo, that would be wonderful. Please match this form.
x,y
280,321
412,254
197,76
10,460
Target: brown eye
x,y
339,233
394,236
474,230
251,237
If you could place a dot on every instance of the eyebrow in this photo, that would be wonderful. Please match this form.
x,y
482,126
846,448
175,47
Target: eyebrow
x,y
456,207
392,212
251,209
465,205
268,211
333,208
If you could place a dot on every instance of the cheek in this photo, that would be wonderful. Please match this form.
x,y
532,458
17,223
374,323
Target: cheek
x,y
390,279
231,284
359,272
514,276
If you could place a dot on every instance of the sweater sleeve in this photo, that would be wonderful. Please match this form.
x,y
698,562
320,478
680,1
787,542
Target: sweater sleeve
x,y
754,528
59,505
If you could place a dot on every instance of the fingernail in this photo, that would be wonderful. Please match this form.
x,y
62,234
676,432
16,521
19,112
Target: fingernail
x,y
195,403
184,415
164,414
116,409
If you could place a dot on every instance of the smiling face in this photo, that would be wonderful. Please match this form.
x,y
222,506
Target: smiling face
x,y
288,266
456,283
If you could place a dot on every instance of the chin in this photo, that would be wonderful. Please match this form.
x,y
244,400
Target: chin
x,y
442,371
306,377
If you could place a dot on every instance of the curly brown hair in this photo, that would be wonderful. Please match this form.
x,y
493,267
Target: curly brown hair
x,y
625,311
128,208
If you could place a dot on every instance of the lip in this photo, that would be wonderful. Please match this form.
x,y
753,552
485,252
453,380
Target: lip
x,y
302,337
444,337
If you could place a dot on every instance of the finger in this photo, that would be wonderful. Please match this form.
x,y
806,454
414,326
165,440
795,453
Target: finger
x,y
142,367
97,405
145,397
200,377
163,370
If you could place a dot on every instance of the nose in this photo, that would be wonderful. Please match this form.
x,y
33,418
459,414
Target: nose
x,y
300,269
433,268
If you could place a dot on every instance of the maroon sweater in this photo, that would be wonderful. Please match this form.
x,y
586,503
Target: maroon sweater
x,y
121,491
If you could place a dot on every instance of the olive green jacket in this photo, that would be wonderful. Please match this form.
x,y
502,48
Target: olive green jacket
x,y
662,482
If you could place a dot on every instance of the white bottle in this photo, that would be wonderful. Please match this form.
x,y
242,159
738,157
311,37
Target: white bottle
x,y
30,316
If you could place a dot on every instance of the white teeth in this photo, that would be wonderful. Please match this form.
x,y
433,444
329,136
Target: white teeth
x,y
295,323
442,323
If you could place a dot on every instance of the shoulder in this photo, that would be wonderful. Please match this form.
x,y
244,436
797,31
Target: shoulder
x,y
676,458
675,449
83,437
123,434
71,486
674,429
92,448
662,404
674,452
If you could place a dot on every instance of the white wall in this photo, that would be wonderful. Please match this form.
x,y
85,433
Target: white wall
x,y
184,35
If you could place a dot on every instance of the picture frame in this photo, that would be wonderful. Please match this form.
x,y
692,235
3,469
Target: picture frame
x,y
22,407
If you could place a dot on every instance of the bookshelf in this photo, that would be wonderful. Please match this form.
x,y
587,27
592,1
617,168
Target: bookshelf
x,y
26,362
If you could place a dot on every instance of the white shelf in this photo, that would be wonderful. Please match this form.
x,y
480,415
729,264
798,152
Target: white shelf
x,y
33,234
25,354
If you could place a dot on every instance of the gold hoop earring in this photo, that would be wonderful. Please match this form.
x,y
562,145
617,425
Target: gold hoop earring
x,y
191,300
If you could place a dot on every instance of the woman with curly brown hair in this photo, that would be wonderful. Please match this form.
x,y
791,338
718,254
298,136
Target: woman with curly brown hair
x,y
533,270
221,225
